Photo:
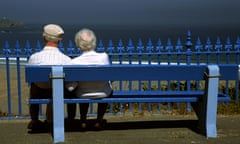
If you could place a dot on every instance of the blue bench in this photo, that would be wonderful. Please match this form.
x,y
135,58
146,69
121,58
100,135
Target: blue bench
x,y
204,101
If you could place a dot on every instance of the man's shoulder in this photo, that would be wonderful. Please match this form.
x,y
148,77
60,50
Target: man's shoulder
x,y
35,54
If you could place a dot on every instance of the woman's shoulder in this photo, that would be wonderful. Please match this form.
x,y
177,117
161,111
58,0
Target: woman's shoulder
x,y
103,54
100,54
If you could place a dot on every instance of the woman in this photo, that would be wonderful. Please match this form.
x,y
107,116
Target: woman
x,y
85,39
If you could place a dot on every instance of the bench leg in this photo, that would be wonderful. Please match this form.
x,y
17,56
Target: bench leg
x,y
211,102
58,104
206,109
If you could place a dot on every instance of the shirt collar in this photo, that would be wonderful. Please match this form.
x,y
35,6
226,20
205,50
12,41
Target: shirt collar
x,y
89,52
50,48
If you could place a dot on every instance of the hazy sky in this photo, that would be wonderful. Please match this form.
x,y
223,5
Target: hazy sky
x,y
170,12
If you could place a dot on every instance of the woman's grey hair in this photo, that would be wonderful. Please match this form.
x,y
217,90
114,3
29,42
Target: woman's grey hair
x,y
85,39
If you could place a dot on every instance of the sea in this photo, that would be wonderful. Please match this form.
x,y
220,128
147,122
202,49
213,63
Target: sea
x,y
115,33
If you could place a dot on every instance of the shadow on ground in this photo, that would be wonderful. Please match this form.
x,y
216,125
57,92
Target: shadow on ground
x,y
75,125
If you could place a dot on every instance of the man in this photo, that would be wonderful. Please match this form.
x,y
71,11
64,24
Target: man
x,y
49,55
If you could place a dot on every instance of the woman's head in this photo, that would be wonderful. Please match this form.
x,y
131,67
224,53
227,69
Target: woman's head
x,y
85,39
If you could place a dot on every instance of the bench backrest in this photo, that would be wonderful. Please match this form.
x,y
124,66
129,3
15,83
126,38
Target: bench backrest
x,y
119,72
228,72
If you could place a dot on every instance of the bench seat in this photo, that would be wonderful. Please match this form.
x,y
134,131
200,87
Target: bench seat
x,y
124,97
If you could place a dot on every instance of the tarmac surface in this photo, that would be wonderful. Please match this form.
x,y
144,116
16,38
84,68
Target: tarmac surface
x,y
151,129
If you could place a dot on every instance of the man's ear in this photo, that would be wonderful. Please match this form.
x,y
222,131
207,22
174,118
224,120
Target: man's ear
x,y
43,37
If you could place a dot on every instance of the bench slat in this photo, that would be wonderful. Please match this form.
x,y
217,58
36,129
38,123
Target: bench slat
x,y
227,72
130,72
118,72
163,98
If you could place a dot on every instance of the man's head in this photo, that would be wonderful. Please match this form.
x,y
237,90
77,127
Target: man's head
x,y
85,39
53,33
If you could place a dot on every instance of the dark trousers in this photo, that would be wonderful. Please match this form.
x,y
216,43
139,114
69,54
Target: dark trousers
x,y
40,93
102,107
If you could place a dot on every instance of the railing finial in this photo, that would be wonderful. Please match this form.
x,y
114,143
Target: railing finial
x,y
188,43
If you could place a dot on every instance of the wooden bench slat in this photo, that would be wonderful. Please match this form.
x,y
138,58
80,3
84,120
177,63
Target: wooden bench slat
x,y
166,98
116,72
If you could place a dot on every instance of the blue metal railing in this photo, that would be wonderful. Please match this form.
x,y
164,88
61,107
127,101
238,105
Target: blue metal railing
x,y
13,58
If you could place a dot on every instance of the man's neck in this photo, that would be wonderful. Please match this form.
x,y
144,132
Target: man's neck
x,y
52,44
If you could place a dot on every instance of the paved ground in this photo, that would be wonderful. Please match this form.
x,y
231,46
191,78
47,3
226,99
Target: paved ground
x,y
152,129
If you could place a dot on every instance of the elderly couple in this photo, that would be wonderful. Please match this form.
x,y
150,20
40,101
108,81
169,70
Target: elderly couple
x,y
85,39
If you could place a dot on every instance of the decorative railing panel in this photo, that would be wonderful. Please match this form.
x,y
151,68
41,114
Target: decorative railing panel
x,y
14,91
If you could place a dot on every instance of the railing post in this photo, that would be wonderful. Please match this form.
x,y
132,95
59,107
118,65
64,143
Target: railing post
x,y
198,48
188,46
61,48
208,48
70,49
130,50
38,47
218,47
28,50
110,50
100,47
140,50
120,49
169,48
228,47
149,51
237,50
159,49
179,49
17,51
188,55
7,51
